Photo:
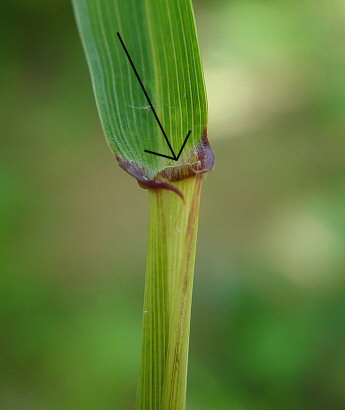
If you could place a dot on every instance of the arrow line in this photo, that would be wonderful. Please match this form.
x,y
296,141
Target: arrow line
x,y
174,157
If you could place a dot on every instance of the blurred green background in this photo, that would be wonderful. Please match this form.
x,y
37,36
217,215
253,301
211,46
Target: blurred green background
x,y
268,326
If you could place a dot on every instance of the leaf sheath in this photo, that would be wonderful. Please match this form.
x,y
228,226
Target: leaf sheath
x,y
168,296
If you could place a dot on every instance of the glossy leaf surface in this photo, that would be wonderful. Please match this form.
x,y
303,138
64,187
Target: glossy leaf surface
x,y
160,37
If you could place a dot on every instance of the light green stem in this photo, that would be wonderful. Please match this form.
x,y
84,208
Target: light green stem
x,y
168,296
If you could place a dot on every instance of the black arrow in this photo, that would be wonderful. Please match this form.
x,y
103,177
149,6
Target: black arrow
x,y
174,156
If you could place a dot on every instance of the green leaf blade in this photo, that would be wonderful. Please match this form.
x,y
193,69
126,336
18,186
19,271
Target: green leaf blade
x,y
161,39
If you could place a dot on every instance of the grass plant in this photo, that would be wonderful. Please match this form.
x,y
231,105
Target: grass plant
x,y
161,42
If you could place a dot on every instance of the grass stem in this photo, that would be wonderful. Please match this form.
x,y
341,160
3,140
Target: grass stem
x,y
168,296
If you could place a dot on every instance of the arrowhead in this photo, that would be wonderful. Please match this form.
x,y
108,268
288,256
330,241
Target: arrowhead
x,y
174,157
